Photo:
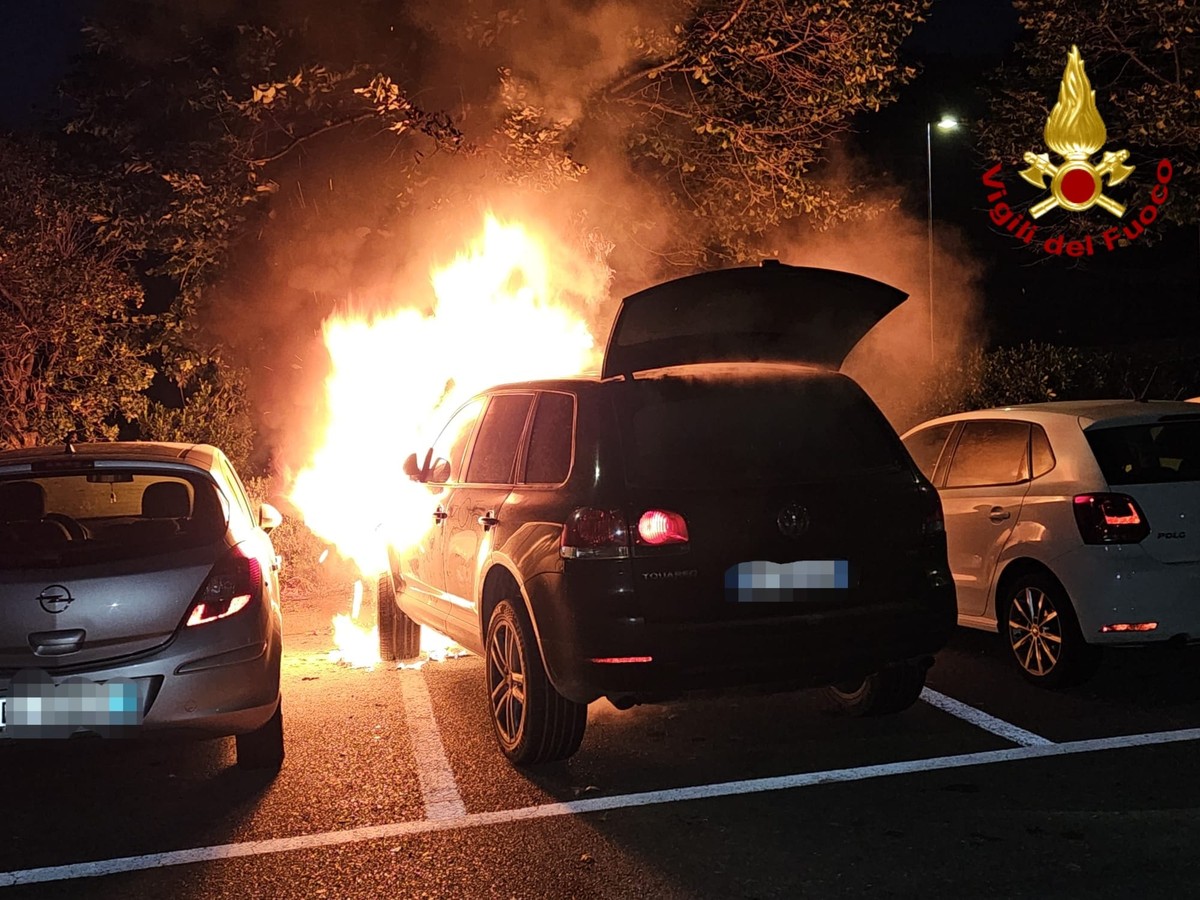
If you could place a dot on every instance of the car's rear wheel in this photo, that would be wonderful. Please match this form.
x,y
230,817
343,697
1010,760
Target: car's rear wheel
x,y
882,693
263,747
533,722
1043,633
399,636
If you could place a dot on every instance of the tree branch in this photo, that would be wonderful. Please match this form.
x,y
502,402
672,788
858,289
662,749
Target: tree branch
x,y
297,141
630,80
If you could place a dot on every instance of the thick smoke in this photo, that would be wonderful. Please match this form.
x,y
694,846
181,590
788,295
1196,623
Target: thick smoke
x,y
358,223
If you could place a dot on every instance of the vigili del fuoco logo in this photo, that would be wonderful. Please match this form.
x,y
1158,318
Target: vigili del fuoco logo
x,y
1075,132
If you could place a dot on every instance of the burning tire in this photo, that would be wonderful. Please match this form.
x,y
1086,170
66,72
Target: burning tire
x,y
888,691
399,636
533,722
1043,633
263,747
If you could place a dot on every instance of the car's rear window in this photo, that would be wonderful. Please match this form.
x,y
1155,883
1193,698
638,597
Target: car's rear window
x,y
78,518
1148,454
695,432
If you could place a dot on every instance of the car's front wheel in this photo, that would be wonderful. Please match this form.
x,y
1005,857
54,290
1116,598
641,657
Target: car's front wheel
x,y
533,722
399,636
1043,633
882,693
263,747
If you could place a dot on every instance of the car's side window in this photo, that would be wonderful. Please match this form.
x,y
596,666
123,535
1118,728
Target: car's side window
x,y
551,439
451,444
238,490
500,432
1043,456
990,453
926,446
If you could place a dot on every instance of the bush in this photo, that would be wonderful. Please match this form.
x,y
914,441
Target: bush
x,y
1035,373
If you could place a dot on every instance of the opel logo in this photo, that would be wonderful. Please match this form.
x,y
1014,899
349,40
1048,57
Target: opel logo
x,y
55,598
792,520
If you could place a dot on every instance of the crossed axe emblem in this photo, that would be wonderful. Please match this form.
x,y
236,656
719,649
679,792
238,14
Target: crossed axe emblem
x,y
1077,184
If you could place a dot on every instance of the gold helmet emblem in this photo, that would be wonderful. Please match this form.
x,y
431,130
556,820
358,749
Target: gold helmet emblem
x,y
1075,131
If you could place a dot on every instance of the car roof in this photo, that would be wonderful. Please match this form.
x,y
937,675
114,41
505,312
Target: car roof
x,y
717,370
1107,413
201,455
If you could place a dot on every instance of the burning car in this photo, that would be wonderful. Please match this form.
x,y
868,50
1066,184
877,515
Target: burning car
x,y
719,507
138,595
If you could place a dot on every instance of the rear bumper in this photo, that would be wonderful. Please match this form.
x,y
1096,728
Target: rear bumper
x,y
1124,584
199,685
802,650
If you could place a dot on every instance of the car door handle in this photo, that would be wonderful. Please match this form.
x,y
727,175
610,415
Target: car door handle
x,y
998,514
440,515
488,520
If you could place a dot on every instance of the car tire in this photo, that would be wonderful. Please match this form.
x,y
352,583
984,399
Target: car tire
x,y
882,693
532,721
399,636
1042,632
263,747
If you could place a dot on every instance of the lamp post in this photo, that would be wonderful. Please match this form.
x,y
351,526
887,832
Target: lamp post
x,y
945,123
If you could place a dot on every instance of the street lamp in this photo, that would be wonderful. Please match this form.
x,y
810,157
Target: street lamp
x,y
944,124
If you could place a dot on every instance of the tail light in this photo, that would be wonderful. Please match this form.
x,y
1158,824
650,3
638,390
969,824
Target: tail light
x,y
1109,519
591,533
233,584
932,520
657,527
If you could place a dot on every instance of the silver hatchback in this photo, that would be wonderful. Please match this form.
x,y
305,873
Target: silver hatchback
x,y
139,593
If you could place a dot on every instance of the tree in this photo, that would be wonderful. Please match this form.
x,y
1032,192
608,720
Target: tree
x,y
72,355
734,109
1143,61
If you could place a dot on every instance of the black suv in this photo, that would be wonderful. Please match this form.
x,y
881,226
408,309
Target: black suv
x,y
706,513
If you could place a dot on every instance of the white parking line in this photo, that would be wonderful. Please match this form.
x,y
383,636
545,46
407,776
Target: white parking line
x,y
438,788
980,719
578,807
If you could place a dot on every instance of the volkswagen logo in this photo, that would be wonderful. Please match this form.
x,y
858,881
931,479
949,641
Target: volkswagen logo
x,y
792,520
55,598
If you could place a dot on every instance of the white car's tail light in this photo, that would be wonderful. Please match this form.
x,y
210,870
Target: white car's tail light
x,y
1109,519
233,584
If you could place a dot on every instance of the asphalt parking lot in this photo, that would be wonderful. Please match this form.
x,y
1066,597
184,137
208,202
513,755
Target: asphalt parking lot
x,y
393,787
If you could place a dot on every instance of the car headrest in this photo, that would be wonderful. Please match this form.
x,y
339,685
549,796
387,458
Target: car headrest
x,y
166,500
22,501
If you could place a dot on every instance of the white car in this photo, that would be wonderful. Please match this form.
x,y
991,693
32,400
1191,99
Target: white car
x,y
1071,525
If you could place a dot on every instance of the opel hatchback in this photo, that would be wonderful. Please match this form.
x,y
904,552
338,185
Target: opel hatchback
x,y
138,594
707,512
1071,526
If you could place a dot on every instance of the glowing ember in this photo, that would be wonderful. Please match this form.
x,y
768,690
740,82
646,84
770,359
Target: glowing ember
x,y
510,308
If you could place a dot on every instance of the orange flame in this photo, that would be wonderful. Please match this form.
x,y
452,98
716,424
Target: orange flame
x,y
512,307
1074,128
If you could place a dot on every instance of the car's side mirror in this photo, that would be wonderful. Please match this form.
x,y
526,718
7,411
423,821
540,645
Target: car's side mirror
x,y
417,471
411,469
269,518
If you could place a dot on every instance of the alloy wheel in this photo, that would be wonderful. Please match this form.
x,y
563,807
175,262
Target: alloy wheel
x,y
506,683
1035,631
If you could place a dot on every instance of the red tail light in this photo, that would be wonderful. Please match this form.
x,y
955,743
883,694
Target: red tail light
x,y
932,520
592,533
657,527
1109,519
232,585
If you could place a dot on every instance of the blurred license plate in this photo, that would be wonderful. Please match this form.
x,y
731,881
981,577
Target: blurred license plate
x,y
769,582
37,707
